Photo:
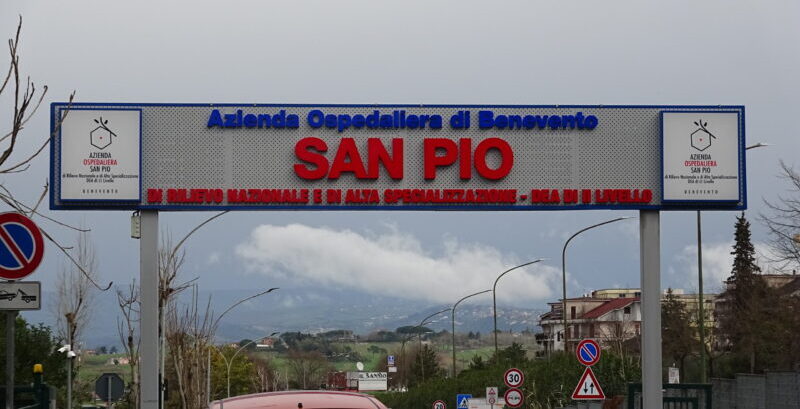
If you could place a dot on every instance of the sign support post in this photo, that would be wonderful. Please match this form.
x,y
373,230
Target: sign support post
x,y
650,270
11,318
148,279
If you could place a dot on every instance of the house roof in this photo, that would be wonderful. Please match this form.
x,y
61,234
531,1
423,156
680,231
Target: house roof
x,y
611,305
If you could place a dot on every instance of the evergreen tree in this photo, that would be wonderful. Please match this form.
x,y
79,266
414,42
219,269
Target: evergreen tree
x,y
745,318
514,355
34,344
677,337
425,366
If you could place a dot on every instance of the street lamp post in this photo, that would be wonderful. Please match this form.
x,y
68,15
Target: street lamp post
x,y
419,339
701,316
229,363
421,323
494,297
453,319
215,324
564,272
67,349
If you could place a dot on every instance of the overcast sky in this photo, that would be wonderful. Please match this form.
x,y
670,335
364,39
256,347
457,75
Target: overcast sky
x,y
431,52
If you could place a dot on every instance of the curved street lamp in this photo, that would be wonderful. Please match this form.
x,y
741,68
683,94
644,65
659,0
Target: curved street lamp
x,y
564,271
228,363
421,323
453,319
419,339
494,297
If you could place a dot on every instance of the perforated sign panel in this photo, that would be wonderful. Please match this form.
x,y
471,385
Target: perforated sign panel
x,y
265,156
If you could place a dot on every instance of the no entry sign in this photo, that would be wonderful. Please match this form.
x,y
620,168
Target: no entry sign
x,y
21,246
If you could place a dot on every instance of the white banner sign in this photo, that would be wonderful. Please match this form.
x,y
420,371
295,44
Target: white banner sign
x,y
101,155
372,381
701,156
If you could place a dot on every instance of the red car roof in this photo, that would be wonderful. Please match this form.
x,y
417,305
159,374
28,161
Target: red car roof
x,y
309,400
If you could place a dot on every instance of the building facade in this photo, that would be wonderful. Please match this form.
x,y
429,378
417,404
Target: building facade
x,y
612,317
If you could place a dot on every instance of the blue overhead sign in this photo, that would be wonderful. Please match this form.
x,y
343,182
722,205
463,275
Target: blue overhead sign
x,y
121,156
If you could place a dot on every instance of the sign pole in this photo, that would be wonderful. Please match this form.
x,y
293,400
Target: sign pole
x,y
109,392
650,265
148,279
11,318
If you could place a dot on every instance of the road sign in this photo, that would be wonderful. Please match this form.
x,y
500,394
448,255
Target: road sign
x,y
588,388
21,246
439,404
514,378
20,295
588,352
491,395
109,387
462,400
673,375
390,360
513,398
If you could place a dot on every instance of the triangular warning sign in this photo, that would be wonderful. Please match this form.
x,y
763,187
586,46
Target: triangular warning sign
x,y
588,388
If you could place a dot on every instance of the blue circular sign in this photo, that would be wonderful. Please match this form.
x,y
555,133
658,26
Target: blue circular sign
x,y
21,246
588,352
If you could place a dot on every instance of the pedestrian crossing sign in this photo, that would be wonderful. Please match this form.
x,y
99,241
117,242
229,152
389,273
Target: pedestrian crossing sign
x,y
462,400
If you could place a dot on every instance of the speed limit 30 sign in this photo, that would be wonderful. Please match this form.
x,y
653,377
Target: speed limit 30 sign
x,y
514,378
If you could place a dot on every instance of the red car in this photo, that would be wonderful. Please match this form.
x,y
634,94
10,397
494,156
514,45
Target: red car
x,y
300,400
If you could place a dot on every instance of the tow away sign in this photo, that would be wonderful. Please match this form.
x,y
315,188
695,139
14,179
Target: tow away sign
x,y
20,295
588,388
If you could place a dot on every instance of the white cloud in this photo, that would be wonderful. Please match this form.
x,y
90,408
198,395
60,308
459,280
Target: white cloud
x,y
392,263
717,263
213,258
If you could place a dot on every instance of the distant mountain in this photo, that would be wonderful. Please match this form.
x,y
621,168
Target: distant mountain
x,y
310,310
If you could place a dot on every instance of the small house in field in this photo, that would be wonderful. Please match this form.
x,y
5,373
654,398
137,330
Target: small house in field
x,y
265,343
120,360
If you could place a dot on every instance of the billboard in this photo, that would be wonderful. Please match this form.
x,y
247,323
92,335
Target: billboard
x,y
120,156
372,381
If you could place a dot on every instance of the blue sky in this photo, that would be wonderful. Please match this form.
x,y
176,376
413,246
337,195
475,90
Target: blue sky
x,y
465,52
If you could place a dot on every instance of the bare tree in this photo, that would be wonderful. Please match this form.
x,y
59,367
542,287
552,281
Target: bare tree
x,y
783,222
189,332
127,328
307,368
622,337
75,291
26,100
265,376
74,295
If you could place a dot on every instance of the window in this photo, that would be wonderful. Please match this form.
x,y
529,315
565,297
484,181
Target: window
x,y
627,310
572,312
